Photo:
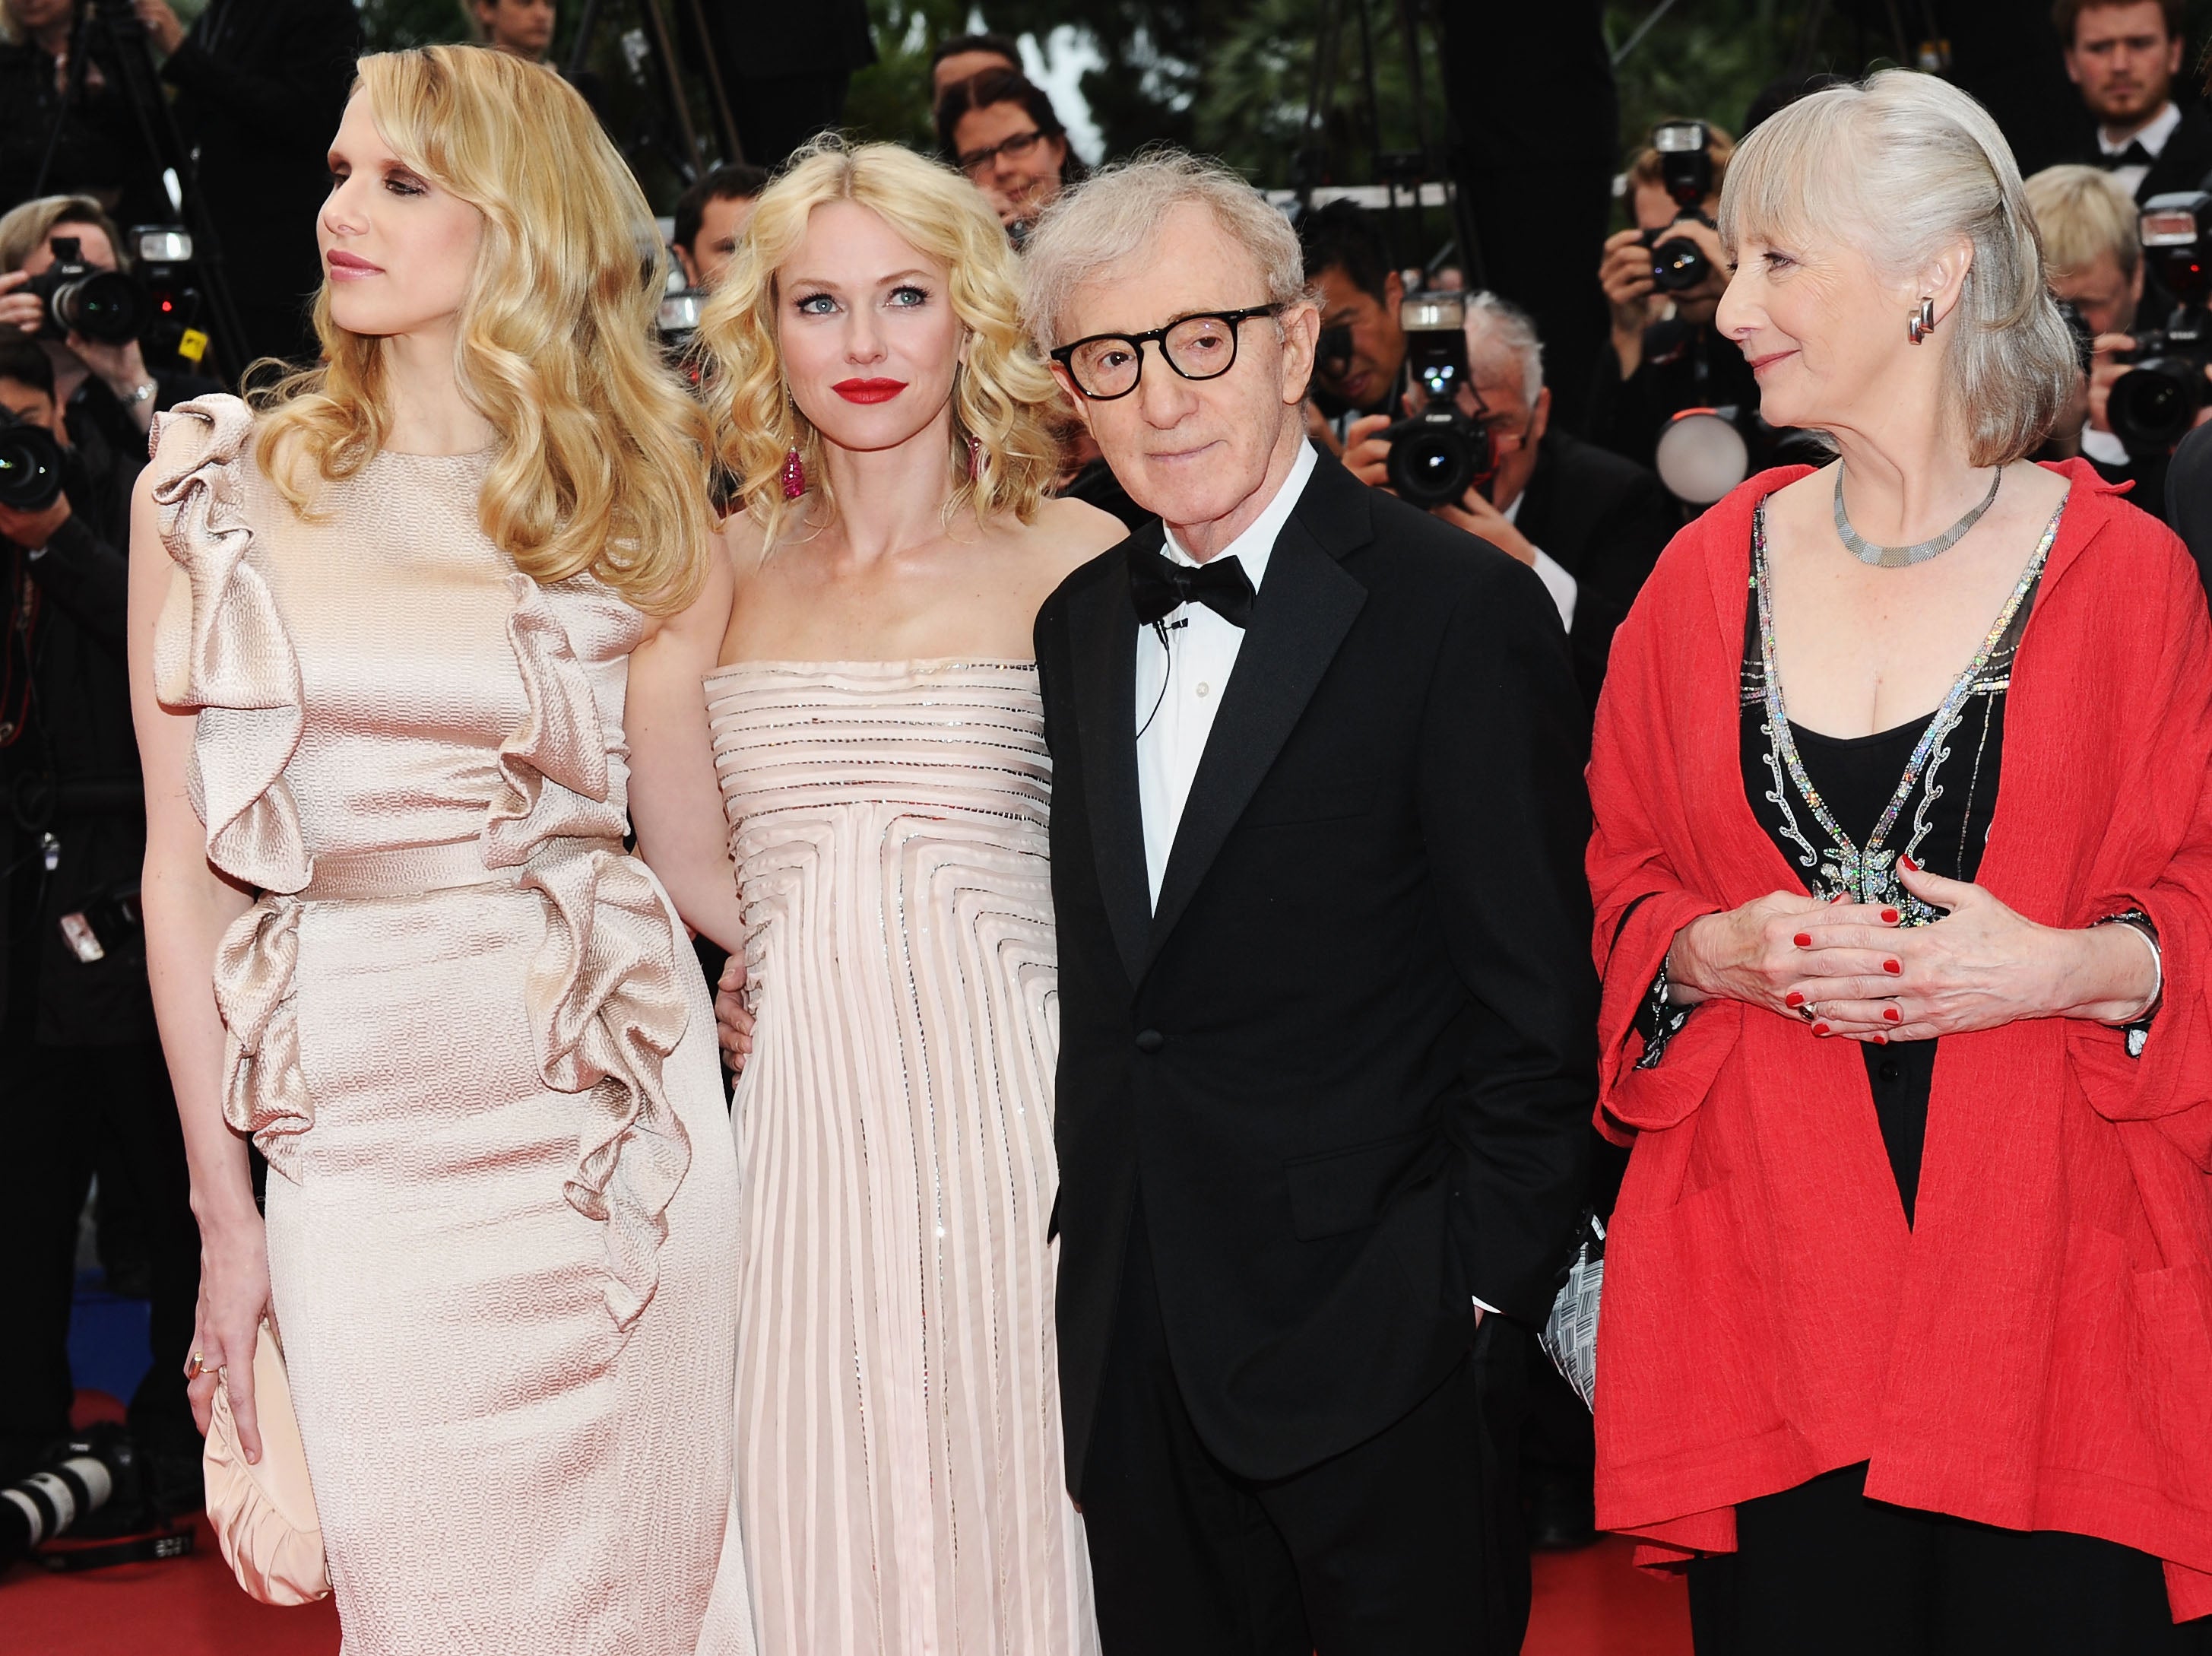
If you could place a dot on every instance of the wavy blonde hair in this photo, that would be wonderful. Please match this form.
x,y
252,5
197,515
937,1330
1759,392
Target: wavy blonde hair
x,y
601,462
1002,394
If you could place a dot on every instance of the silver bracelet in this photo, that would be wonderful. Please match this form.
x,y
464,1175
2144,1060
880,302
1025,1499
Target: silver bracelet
x,y
144,394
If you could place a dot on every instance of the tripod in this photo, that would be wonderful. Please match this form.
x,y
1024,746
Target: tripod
x,y
684,152
161,149
1402,172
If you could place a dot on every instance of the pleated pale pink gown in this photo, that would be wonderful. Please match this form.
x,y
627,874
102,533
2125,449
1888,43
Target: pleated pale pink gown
x,y
899,1441
465,1028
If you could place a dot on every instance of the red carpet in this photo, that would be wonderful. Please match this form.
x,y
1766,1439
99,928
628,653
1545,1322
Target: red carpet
x,y
1588,1604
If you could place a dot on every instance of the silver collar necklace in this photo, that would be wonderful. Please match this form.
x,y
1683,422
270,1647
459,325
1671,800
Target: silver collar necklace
x,y
1901,558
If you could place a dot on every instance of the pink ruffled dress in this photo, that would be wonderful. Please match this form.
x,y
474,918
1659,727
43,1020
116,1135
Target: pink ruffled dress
x,y
465,1028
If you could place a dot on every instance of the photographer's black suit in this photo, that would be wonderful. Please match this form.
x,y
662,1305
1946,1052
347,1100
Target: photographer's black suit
x,y
1338,1082
1604,521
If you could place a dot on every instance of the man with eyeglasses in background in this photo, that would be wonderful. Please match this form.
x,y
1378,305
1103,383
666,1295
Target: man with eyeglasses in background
x,y
1003,132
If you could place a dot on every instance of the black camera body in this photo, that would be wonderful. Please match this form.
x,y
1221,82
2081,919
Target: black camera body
x,y
30,464
1439,454
103,306
2152,408
1686,168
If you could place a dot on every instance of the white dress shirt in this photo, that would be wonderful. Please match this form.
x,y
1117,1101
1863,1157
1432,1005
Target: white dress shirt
x,y
1180,683
1557,582
2152,138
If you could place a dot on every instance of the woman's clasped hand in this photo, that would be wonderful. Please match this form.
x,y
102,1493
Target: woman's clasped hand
x,y
1855,970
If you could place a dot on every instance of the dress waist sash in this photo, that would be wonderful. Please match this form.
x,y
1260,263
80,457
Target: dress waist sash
x,y
417,870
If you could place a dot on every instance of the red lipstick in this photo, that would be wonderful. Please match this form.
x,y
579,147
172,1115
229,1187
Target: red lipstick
x,y
868,391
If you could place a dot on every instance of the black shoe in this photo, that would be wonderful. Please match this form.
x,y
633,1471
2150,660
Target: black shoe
x,y
1561,1517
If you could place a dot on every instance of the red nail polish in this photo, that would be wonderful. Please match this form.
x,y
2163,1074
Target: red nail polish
x,y
1893,968
1804,940
1892,1015
1882,1040
1889,916
1908,865
1793,1000
1819,1029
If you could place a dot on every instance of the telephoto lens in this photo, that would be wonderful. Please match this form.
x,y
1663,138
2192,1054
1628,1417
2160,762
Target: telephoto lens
x,y
30,465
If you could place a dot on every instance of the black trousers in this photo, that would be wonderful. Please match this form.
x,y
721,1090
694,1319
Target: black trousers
x,y
62,1110
1821,1569
1410,1544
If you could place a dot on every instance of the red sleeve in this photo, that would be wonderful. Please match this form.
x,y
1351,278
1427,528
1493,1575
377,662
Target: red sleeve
x,y
1642,898
2158,858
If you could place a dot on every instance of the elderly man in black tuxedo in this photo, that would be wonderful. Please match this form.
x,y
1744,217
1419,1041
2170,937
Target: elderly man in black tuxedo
x,y
1327,1059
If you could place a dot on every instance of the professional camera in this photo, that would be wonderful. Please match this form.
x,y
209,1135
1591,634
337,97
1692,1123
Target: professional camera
x,y
1332,350
2085,337
104,306
88,1506
1439,454
679,315
169,282
1686,168
2152,408
30,465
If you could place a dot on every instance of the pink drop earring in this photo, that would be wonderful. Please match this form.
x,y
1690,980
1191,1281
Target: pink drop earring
x,y
794,476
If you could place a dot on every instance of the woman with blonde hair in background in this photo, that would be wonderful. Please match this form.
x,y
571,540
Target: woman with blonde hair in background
x,y
387,630
879,736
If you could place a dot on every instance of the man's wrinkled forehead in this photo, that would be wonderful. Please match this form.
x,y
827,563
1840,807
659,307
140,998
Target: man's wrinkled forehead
x,y
1192,265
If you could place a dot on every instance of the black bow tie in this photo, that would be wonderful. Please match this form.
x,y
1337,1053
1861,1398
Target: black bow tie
x,y
1159,586
2134,155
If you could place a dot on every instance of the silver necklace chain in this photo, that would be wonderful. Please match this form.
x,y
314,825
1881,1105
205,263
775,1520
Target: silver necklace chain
x,y
1903,558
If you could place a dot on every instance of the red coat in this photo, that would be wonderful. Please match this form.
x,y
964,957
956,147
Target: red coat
x,y
2037,1352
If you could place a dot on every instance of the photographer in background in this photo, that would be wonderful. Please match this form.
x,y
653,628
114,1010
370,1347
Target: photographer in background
x,y
710,217
2095,261
964,57
1665,354
1003,132
1361,360
83,1083
260,87
95,145
2124,55
1589,523
523,29
107,395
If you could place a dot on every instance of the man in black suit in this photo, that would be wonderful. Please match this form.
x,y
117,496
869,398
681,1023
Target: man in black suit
x,y
1589,523
1327,1059
2124,55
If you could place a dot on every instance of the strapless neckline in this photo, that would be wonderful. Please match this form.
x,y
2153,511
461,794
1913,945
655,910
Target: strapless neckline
x,y
908,667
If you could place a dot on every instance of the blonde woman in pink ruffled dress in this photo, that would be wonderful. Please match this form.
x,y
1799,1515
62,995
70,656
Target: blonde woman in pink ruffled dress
x,y
408,644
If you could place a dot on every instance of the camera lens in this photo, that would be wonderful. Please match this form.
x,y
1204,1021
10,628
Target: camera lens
x,y
1701,455
104,306
30,467
1436,457
2152,408
1678,264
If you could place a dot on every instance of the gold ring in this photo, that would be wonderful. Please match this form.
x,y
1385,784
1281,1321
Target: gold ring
x,y
198,1365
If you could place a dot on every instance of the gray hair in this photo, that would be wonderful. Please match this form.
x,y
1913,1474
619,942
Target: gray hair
x,y
1497,327
1119,210
1905,166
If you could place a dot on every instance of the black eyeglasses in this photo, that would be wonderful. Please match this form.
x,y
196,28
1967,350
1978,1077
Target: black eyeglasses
x,y
977,160
1202,347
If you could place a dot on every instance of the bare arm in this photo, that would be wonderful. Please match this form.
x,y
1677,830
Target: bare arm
x,y
188,906
675,802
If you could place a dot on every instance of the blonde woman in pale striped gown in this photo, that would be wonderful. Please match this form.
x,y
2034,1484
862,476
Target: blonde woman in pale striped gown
x,y
877,730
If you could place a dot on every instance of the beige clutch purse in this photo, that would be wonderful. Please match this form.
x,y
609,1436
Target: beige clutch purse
x,y
265,1516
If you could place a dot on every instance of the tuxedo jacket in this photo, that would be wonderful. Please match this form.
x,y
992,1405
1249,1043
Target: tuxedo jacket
x,y
1347,1063
1604,521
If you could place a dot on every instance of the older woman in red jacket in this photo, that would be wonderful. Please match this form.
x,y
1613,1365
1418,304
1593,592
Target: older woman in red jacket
x,y
1904,875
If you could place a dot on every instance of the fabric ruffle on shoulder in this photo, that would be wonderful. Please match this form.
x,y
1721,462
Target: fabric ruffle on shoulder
x,y
221,650
607,1002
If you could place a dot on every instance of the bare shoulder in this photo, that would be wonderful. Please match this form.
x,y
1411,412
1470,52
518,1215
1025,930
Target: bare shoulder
x,y
1065,535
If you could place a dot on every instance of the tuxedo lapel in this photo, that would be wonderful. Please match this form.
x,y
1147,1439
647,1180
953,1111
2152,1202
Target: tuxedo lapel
x,y
1104,624
1305,607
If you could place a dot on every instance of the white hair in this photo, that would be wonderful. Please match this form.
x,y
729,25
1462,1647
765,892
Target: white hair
x,y
1118,212
1903,167
1496,326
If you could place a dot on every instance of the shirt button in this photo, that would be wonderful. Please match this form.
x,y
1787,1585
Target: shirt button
x,y
1891,1072
1150,1041
1204,690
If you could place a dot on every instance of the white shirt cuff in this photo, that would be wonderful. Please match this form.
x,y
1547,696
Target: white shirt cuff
x,y
1483,1306
1561,585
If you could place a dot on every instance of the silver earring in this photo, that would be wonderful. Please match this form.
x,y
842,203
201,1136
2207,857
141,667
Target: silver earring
x,y
1921,323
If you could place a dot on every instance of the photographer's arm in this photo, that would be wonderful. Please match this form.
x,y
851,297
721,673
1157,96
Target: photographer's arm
x,y
188,907
78,570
